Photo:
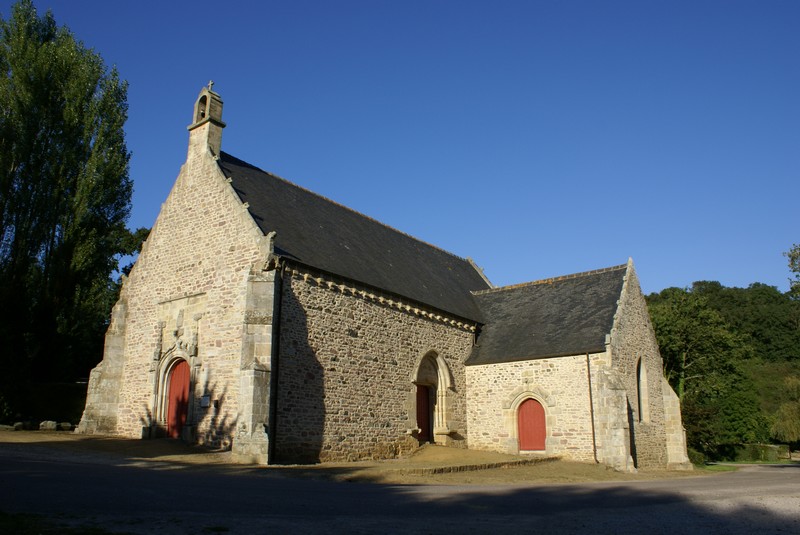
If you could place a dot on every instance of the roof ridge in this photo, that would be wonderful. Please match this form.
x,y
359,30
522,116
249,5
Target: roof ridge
x,y
289,182
552,280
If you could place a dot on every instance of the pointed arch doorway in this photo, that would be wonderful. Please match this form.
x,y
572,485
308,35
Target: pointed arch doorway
x,y
531,426
433,389
177,399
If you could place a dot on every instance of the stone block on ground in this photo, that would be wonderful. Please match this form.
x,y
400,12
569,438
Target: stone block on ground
x,y
48,425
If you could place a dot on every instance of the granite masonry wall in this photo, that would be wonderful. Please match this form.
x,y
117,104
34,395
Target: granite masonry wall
x,y
102,395
347,368
636,359
185,299
560,384
677,456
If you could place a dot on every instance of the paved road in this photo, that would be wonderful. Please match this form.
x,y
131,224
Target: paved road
x,y
143,497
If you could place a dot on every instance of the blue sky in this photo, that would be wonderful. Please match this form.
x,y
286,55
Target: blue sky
x,y
538,138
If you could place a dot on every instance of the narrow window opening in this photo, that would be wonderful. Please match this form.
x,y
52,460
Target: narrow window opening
x,y
642,392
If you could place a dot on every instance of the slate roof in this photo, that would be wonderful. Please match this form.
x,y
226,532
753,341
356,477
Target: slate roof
x,y
555,317
322,234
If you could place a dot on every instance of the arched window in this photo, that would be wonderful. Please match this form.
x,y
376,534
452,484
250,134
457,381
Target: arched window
x,y
201,109
642,391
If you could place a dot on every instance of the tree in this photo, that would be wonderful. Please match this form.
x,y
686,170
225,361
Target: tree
x,y
65,197
696,345
786,425
764,316
793,255
702,361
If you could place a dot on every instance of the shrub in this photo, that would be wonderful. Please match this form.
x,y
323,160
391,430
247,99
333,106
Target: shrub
x,y
696,457
768,453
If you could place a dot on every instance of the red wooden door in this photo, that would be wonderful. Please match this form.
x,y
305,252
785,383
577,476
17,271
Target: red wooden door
x,y
531,425
424,413
177,399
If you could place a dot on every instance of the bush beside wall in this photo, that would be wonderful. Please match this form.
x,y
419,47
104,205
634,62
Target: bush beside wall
x,y
753,452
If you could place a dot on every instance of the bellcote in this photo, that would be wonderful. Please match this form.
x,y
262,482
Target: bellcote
x,y
207,126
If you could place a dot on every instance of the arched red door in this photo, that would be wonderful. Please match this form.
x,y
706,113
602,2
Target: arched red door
x,y
177,399
531,425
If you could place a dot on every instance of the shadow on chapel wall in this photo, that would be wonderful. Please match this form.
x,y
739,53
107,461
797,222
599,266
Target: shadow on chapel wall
x,y
300,413
207,423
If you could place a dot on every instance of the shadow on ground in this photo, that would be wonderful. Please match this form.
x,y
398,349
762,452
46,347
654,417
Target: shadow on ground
x,y
164,489
428,465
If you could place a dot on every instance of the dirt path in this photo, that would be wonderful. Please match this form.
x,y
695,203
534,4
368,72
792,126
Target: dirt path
x,y
429,465
67,484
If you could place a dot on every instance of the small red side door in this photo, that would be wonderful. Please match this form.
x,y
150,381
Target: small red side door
x,y
531,425
178,399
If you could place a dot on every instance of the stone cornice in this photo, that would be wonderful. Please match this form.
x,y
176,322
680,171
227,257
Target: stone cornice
x,y
367,293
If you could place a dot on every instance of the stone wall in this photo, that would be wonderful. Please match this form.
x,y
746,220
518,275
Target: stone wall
x,y
677,457
251,443
633,344
612,425
347,363
560,384
186,299
102,394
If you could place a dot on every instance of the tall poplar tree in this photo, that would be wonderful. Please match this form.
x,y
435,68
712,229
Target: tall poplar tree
x,y
65,198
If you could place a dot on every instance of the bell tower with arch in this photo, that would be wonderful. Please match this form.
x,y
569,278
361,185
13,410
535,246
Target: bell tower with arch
x,y
206,128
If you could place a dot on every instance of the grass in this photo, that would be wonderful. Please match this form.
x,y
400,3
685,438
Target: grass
x,y
716,468
780,461
730,466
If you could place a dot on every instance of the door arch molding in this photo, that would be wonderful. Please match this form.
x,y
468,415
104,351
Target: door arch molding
x,y
433,398
511,408
161,406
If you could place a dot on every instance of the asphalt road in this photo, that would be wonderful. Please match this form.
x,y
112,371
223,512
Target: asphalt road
x,y
140,497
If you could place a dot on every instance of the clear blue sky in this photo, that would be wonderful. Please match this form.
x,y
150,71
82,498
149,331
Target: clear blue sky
x,y
539,138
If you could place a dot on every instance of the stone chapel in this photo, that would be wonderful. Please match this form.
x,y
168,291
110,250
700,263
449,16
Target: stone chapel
x,y
264,318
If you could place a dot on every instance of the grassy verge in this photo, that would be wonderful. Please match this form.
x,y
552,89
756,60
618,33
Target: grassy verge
x,y
782,461
716,468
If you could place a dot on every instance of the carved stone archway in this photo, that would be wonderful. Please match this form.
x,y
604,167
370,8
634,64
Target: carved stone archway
x,y
511,410
434,397
181,347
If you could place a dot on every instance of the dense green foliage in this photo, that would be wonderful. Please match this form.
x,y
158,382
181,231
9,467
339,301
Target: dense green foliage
x,y
64,199
767,318
793,255
786,426
727,353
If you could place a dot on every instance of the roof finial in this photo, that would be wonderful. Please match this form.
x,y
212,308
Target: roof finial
x,y
210,85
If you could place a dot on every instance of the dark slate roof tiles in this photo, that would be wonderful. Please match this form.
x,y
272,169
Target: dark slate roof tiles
x,y
554,317
322,234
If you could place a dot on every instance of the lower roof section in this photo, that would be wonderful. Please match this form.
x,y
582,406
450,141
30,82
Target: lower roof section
x,y
568,315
